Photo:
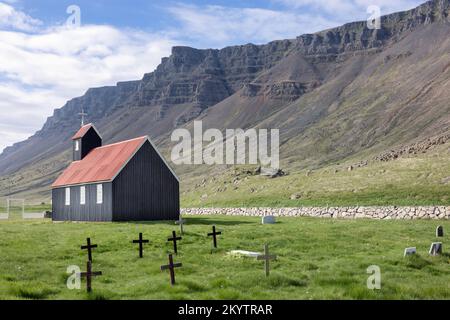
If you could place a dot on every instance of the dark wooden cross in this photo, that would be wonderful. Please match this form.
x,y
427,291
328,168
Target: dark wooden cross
x,y
214,234
174,239
89,247
141,242
88,275
181,223
171,266
266,257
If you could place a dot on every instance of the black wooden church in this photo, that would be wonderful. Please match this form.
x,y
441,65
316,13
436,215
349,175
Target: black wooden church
x,y
124,181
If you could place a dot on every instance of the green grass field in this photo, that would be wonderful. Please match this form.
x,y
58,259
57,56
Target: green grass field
x,y
318,259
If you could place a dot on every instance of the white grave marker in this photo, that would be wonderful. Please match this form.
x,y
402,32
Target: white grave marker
x,y
410,251
436,249
245,253
268,220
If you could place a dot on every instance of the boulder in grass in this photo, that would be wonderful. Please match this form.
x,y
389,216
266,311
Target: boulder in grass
x,y
272,173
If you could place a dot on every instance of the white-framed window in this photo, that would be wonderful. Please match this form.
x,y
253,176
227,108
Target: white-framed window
x,y
82,195
77,145
67,197
99,194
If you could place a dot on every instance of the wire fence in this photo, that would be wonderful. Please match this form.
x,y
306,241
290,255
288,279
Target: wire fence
x,y
3,209
17,209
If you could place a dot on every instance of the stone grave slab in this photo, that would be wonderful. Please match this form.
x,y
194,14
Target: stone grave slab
x,y
268,220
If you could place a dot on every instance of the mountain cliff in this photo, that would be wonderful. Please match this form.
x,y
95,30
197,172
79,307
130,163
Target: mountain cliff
x,y
336,94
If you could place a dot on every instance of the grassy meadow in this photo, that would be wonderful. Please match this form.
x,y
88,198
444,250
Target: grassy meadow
x,y
317,259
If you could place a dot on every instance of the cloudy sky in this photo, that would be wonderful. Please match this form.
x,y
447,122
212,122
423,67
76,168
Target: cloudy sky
x,y
46,59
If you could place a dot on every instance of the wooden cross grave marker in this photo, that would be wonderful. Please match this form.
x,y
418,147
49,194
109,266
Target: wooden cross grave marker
x,y
89,274
141,242
171,266
89,247
174,239
266,257
181,222
214,234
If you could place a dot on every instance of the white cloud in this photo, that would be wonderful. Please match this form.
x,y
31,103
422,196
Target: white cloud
x,y
348,10
76,59
21,110
40,71
17,20
218,26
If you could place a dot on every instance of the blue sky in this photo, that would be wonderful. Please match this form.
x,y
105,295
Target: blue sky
x,y
44,62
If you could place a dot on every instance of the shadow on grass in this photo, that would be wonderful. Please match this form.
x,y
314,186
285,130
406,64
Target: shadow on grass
x,y
215,221
193,221
415,261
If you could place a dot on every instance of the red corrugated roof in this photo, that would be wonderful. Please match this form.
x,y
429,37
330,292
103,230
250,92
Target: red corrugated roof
x,y
101,164
83,130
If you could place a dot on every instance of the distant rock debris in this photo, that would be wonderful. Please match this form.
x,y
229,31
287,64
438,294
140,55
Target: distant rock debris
x,y
272,173
416,148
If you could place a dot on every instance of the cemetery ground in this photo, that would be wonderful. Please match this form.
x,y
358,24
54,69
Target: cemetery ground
x,y
317,259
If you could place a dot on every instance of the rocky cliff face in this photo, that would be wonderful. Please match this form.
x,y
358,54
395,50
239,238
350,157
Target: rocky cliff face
x,y
315,88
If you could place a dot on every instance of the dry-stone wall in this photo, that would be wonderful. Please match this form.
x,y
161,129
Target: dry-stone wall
x,y
431,212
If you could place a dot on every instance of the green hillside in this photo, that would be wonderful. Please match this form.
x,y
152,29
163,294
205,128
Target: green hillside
x,y
422,179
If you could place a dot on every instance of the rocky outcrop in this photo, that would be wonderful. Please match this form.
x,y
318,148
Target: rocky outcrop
x,y
384,213
416,148
356,36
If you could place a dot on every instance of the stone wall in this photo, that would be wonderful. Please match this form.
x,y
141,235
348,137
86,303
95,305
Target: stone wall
x,y
331,212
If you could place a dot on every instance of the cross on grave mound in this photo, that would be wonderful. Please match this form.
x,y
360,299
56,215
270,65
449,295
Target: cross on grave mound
x,y
89,274
171,266
89,248
266,257
141,241
436,249
214,234
174,239
439,231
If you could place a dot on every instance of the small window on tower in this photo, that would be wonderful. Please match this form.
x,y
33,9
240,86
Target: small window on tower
x,y
77,145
